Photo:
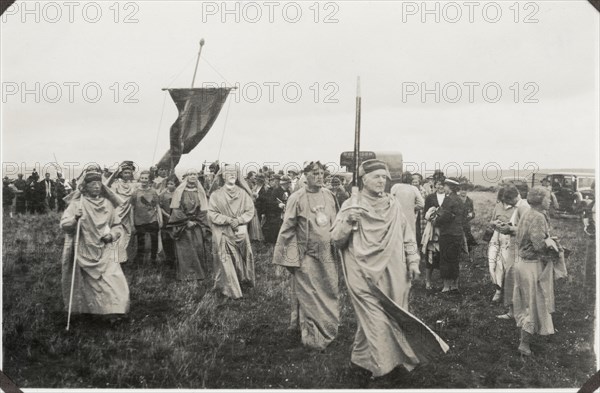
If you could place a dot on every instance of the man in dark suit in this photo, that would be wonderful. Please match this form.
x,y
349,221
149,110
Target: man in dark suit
x,y
61,192
273,205
47,194
31,194
21,200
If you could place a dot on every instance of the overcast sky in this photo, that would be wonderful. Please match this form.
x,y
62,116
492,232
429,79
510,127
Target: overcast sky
x,y
550,67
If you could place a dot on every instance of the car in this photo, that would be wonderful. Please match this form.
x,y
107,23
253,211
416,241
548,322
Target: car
x,y
393,159
573,190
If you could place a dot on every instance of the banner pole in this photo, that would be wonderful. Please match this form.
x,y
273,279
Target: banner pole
x,y
197,61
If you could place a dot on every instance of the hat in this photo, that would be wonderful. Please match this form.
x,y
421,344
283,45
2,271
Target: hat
x,y
451,181
285,180
92,175
127,165
295,172
369,166
545,179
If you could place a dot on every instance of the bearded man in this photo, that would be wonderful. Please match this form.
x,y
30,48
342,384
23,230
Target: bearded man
x,y
305,248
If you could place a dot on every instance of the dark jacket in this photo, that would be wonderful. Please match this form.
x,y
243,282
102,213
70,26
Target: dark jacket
x,y
451,216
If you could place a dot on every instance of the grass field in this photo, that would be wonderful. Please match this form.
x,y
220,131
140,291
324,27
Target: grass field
x,y
181,335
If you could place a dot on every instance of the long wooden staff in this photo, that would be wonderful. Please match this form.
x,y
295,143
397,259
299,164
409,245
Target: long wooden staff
x,y
74,264
355,191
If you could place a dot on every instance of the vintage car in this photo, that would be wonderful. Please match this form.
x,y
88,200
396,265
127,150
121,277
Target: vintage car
x,y
573,190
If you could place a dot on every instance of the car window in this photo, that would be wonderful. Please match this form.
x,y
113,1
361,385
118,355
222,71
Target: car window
x,y
585,182
568,182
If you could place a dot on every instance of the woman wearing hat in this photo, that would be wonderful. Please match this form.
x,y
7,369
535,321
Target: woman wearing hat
x,y
449,219
164,200
254,229
100,286
535,270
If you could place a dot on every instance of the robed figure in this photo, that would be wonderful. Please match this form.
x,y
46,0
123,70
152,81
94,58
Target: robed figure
x,y
305,247
230,209
121,183
380,259
100,287
189,226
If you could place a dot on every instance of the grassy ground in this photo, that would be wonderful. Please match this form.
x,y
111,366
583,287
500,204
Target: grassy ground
x,y
181,335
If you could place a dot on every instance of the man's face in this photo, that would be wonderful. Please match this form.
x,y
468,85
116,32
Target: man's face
x,y
447,189
192,178
20,176
274,183
47,176
127,174
315,177
162,172
144,179
230,177
93,188
374,182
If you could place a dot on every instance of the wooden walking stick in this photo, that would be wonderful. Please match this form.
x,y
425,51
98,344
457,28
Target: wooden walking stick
x,y
74,264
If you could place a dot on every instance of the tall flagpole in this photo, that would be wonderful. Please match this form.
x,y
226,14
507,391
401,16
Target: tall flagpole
x,y
357,133
197,61
355,191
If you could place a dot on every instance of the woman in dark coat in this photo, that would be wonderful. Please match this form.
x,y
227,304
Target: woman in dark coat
x,y
430,245
450,217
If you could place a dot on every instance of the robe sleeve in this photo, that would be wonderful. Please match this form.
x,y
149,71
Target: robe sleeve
x,y
248,213
342,229
68,222
286,252
214,215
411,250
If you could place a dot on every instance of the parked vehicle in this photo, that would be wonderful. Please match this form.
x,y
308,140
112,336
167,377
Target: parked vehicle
x,y
393,160
572,190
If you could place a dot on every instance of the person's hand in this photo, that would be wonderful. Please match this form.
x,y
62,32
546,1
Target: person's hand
x,y
551,243
107,238
413,271
504,228
78,213
234,223
430,214
353,215
191,224
282,205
